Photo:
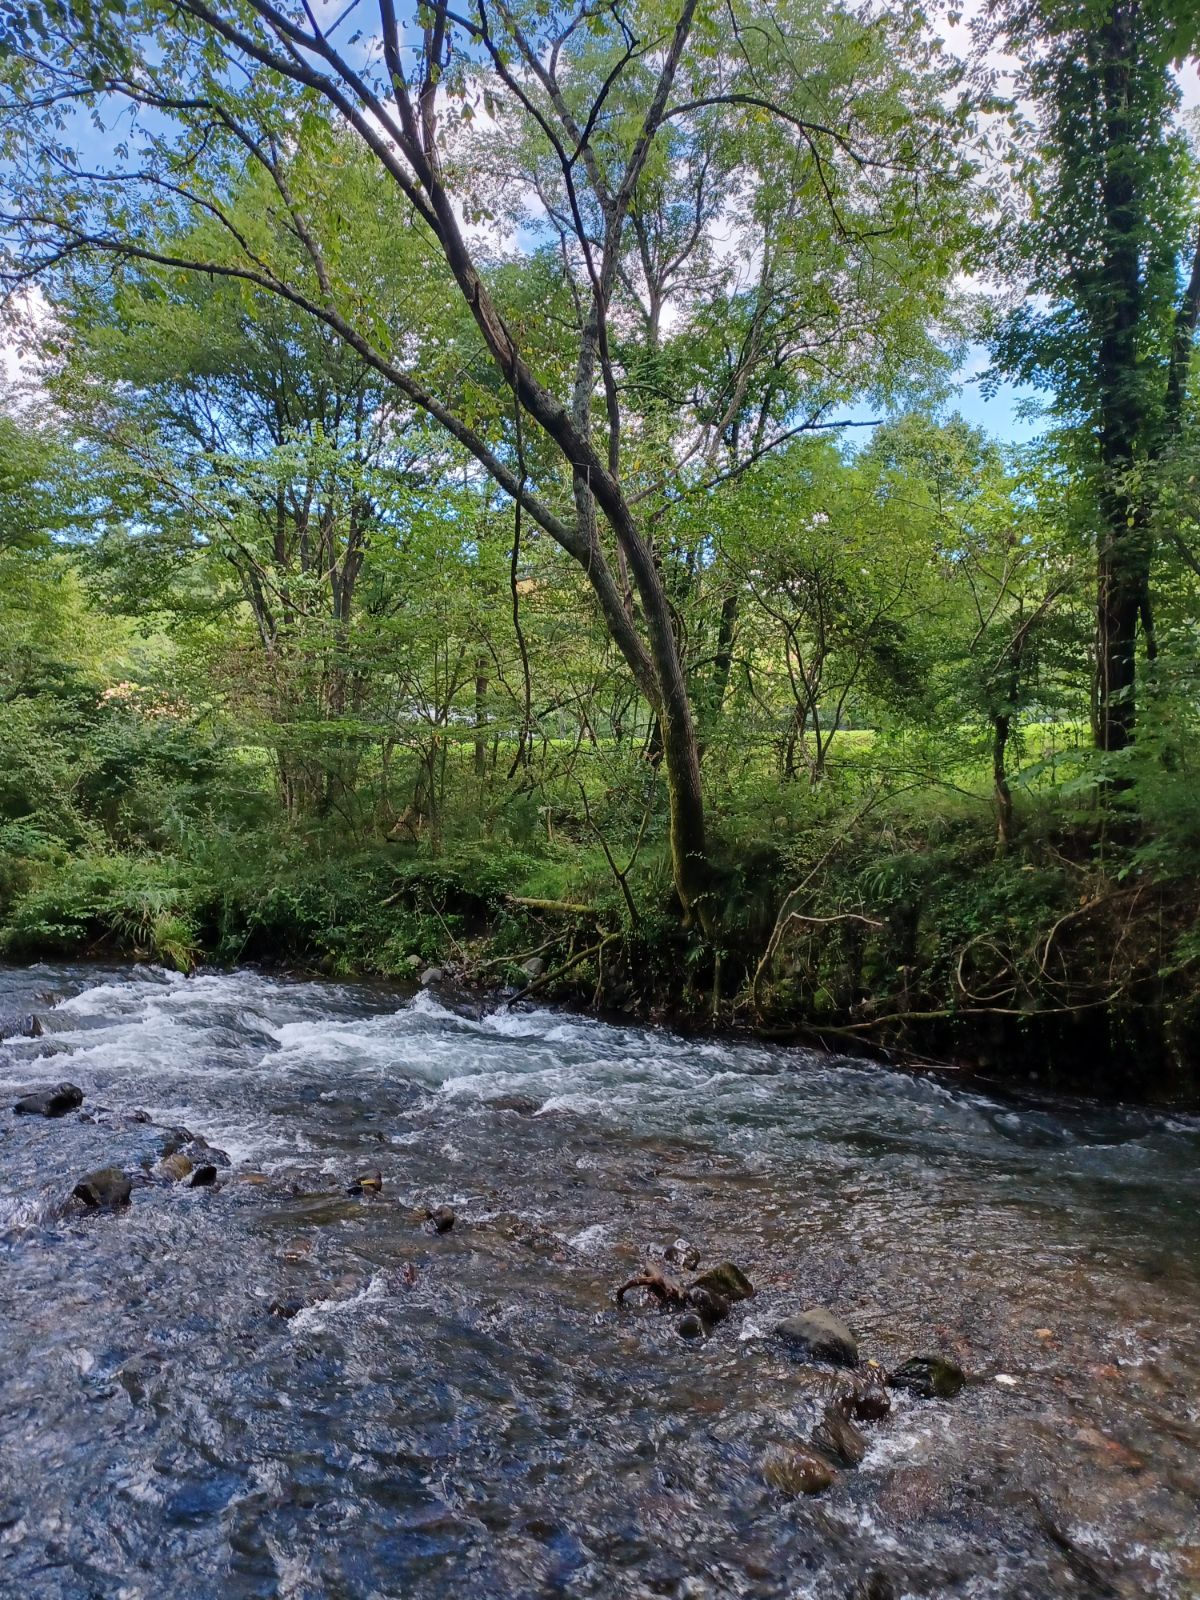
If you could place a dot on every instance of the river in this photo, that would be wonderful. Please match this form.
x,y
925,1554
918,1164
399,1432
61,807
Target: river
x,y
469,1414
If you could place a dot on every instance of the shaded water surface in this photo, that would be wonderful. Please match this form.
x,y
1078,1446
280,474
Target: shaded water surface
x,y
469,1414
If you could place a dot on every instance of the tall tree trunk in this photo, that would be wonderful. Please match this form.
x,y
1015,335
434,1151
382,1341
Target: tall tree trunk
x,y
1123,567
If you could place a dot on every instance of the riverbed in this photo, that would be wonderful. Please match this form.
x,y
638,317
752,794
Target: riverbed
x,y
273,1387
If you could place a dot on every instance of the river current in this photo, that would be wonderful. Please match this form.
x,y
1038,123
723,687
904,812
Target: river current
x,y
270,1387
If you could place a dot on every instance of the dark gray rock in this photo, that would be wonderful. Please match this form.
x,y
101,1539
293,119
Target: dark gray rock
x,y
106,1189
53,1102
861,1399
202,1153
726,1280
20,1025
819,1335
874,1586
712,1308
931,1377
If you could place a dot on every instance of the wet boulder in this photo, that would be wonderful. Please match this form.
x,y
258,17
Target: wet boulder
x,y
173,1168
836,1437
797,1470
932,1377
201,1153
53,1102
819,1335
712,1308
861,1399
727,1281
20,1025
106,1189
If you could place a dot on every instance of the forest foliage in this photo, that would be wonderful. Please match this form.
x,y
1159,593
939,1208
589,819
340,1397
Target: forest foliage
x,y
489,485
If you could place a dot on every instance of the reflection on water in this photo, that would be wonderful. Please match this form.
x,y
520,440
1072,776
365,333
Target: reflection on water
x,y
273,1388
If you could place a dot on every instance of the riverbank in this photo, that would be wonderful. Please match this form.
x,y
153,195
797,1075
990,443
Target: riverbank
x,y
1058,965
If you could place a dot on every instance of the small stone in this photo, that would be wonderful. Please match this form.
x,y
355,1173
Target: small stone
x,y
430,975
726,1280
837,1437
683,1255
797,1471
55,1102
106,1189
931,1377
819,1335
442,1218
690,1326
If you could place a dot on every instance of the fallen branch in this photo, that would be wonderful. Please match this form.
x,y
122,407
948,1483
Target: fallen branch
x,y
554,908
550,977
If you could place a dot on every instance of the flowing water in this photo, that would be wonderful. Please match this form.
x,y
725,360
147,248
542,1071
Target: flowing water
x,y
469,1414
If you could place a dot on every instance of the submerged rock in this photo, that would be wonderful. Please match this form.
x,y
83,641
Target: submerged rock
x,y
819,1335
53,1102
931,1377
20,1025
202,1153
861,1399
837,1437
174,1168
713,1308
683,1255
286,1309
796,1470
874,1586
523,1104
726,1280
106,1189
